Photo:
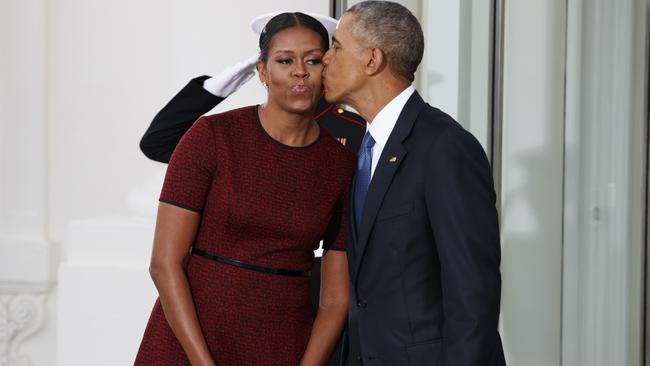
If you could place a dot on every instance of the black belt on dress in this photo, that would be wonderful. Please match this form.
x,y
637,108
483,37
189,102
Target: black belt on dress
x,y
253,267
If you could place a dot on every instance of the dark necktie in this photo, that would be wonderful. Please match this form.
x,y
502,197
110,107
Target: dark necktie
x,y
364,165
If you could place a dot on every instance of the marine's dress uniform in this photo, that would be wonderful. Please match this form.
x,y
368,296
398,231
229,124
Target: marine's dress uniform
x,y
262,203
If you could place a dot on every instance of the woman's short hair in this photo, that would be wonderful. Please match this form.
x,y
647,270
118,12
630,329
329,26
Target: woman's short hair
x,y
284,21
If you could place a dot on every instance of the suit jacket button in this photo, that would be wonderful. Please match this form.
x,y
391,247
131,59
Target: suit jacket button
x,y
359,358
362,304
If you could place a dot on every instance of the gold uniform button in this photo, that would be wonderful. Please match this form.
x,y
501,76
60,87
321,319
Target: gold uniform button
x,y
340,110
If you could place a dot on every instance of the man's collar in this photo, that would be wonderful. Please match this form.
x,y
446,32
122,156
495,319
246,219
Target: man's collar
x,y
385,120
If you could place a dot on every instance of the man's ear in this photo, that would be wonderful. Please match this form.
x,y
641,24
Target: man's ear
x,y
261,70
376,61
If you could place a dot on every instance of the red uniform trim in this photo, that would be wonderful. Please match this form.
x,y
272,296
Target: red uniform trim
x,y
349,119
324,111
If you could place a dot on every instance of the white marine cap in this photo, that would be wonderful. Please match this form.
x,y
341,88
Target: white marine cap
x,y
258,23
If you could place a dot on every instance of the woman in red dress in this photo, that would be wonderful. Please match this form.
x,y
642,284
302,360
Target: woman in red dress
x,y
247,197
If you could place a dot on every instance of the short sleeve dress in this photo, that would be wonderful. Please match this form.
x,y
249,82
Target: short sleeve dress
x,y
263,203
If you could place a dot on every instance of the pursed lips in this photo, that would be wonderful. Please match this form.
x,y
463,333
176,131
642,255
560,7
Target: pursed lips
x,y
300,89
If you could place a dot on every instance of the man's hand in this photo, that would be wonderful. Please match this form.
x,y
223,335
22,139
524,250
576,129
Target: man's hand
x,y
232,78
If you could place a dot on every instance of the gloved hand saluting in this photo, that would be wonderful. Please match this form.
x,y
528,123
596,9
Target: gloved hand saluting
x,y
230,79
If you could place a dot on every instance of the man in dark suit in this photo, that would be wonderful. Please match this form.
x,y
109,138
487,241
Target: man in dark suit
x,y
423,246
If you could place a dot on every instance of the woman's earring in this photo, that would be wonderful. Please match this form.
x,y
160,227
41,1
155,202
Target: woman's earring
x,y
265,84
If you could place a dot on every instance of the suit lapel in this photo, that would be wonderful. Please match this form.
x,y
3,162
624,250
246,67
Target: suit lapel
x,y
391,157
352,230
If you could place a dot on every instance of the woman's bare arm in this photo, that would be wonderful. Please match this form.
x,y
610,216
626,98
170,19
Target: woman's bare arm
x,y
175,231
332,309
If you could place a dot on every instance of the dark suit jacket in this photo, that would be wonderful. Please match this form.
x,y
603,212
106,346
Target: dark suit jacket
x,y
424,260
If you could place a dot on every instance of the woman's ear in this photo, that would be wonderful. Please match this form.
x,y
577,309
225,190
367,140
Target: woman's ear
x,y
261,70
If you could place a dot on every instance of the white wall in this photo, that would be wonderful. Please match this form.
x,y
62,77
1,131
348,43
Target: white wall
x,y
27,257
474,69
23,112
441,64
532,181
112,65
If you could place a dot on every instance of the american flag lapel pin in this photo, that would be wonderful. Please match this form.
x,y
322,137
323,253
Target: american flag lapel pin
x,y
393,159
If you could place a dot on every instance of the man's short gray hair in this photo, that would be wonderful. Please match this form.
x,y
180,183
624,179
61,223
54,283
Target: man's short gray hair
x,y
392,28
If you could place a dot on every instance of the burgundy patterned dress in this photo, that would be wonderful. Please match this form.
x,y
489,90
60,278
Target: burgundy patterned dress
x,y
263,203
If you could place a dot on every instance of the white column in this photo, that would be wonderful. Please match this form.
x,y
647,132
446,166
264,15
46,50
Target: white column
x,y
532,181
105,292
474,68
604,220
23,201
27,257
439,71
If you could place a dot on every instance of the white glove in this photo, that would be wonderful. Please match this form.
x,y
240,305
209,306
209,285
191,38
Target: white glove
x,y
229,80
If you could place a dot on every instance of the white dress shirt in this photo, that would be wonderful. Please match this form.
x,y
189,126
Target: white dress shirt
x,y
384,122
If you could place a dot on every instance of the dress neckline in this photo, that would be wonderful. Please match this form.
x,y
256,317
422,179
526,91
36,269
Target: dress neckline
x,y
265,133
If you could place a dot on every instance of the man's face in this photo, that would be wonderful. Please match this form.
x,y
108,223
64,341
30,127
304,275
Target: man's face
x,y
344,74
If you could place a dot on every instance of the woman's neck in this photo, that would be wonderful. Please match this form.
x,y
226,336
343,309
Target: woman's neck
x,y
291,129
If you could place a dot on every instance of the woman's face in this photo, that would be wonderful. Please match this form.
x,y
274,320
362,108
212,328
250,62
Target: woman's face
x,y
293,69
